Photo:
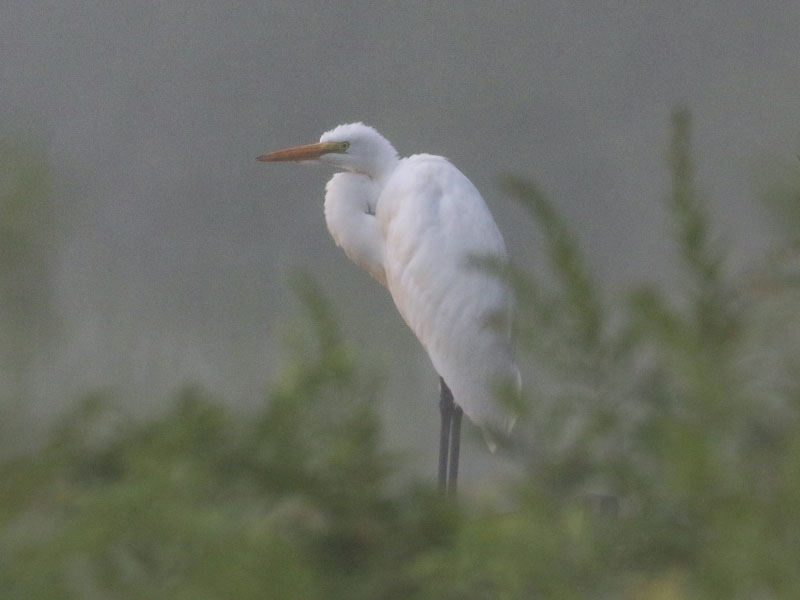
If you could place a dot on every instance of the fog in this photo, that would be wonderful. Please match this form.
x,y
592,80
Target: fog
x,y
178,244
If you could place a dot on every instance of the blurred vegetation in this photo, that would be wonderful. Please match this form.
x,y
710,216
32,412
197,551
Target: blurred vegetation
x,y
33,226
32,229
665,461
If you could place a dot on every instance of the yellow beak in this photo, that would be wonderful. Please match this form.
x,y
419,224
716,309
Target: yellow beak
x,y
297,153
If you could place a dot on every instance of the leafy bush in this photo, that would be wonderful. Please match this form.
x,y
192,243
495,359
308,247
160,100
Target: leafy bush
x,y
664,461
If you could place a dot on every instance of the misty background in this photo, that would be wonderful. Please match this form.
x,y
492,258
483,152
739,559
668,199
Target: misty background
x,y
170,247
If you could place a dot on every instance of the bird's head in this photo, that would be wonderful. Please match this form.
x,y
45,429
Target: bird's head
x,y
352,147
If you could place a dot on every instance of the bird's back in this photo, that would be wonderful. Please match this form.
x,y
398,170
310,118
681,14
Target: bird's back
x,y
435,224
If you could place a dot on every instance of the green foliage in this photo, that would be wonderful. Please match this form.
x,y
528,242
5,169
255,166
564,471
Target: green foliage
x,y
33,224
290,503
664,461
677,406
30,232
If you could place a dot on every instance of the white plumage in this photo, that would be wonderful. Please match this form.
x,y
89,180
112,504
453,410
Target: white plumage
x,y
416,225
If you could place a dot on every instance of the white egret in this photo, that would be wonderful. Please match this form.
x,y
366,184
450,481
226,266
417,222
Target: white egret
x,y
416,225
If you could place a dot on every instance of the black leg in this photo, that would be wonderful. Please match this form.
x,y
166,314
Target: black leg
x,y
449,441
455,450
446,412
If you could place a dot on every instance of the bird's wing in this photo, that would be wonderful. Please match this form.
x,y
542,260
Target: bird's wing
x,y
435,223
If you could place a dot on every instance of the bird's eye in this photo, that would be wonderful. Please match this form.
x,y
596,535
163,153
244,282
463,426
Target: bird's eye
x,y
344,146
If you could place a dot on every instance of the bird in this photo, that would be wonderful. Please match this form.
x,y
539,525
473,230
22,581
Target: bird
x,y
420,228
